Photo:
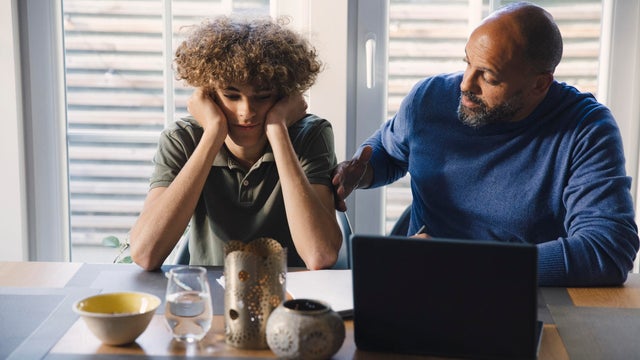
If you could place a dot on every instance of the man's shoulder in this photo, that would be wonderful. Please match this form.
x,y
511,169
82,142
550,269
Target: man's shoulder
x,y
567,93
454,78
568,99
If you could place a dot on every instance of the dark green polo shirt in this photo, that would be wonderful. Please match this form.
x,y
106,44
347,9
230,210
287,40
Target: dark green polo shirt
x,y
242,205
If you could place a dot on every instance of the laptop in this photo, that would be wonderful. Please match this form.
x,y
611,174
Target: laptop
x,y
445,297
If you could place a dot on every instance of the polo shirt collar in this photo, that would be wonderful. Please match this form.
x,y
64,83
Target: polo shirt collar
x,y
224,158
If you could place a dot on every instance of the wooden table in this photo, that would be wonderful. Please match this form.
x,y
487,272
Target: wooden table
x,y
579,322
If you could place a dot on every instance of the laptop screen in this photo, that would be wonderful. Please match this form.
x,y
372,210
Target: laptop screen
x,y
445,297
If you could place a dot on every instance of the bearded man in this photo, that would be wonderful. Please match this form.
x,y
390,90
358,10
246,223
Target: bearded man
x,y
504,152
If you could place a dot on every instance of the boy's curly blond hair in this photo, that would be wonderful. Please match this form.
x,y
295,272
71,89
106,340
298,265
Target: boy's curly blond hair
x,y
261,52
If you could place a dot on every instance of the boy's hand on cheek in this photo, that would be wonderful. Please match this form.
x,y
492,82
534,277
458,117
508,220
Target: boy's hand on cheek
x,y
205,110
287,110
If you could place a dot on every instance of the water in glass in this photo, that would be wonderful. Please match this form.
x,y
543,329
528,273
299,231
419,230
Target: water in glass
x,y
188,308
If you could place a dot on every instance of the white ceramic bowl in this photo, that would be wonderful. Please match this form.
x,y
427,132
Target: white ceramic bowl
x,y
117,318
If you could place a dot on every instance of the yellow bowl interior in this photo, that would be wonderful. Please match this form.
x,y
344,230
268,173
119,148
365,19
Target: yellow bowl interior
x,y
119,303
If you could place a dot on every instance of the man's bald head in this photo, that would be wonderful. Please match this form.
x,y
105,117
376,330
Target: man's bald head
x,y
538,32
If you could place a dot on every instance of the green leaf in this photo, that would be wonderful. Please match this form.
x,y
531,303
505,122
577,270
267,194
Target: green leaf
x,y
111,241
126,260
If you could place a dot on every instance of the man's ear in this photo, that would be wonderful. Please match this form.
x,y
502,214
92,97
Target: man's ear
x,y
543,82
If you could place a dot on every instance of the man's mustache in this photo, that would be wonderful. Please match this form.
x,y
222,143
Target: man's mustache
x,y
471,96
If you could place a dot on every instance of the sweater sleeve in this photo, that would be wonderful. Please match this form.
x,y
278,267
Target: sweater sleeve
x,y
602,241
390,157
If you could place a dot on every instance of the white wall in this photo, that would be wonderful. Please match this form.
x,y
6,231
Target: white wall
x,y
13,212
328,97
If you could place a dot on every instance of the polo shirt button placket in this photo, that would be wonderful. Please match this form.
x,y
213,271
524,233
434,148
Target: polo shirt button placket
x,y
245,193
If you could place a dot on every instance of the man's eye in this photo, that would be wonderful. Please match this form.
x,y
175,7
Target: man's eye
x,y
232,96
490,81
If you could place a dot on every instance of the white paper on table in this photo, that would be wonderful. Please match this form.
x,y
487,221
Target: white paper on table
x,y
331,286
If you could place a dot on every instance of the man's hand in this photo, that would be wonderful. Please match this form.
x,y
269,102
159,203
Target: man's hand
x,y
287,110
348,175
421,236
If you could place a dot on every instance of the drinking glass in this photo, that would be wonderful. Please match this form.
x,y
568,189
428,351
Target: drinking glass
x,y
188,308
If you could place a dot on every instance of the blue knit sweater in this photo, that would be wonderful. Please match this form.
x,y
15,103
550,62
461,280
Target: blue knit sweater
x,y
555,179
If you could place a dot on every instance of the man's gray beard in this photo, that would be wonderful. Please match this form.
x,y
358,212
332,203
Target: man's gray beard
x,y
482,115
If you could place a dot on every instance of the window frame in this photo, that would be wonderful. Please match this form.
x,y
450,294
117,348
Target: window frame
x,y
41,126
37,92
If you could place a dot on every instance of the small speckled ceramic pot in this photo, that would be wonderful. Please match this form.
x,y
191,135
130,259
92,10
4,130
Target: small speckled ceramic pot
x,y
305,329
